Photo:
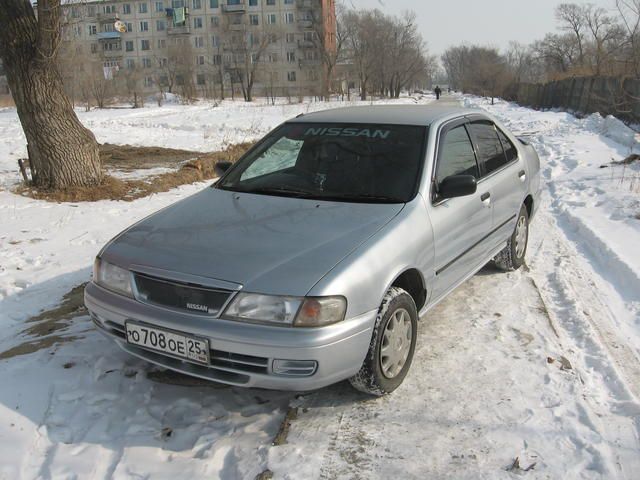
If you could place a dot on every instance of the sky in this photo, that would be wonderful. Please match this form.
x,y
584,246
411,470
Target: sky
x,y
444,23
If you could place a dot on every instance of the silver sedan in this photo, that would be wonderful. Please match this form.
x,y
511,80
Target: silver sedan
x,y
312,258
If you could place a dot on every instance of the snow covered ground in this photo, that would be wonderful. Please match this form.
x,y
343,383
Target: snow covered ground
x,y
540,364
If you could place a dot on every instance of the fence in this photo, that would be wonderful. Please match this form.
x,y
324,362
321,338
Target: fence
x,y
607,95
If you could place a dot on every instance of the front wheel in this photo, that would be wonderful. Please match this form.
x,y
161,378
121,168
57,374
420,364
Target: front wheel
x,y
511,257
392,345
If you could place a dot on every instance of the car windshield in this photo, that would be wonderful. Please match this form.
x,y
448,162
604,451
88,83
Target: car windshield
x,y
340,162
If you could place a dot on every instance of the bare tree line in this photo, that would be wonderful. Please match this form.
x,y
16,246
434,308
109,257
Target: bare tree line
x,y
387,53
590,41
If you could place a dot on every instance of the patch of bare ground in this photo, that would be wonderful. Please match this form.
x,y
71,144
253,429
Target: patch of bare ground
x,y
193,167
46,329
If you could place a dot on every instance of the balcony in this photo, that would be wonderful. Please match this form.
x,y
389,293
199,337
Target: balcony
x,y
236,8
306,44
305,23
106,17
178,30
305,62
115,53
108,35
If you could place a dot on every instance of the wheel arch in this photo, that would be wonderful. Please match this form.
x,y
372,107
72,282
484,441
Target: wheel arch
x,y
528,202
412,281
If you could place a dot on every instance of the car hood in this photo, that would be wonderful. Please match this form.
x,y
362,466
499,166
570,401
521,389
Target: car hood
x,y
267,244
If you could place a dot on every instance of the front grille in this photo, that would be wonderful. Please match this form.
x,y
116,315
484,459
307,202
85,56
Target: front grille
x,y
181,296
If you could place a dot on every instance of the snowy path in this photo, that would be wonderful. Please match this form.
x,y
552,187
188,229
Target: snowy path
x,y
481,392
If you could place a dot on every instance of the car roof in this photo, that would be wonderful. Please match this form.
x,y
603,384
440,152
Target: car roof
x,y
423,115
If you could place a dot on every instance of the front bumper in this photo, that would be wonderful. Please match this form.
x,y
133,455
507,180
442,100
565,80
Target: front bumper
x,y
242,353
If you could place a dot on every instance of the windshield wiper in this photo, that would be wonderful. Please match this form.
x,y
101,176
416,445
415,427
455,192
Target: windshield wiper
x,y
362,198
288,192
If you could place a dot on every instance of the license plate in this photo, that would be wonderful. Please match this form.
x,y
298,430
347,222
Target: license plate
x,y
172,343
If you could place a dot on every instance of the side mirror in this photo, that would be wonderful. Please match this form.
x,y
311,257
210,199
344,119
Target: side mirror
x,y
221,167
457,186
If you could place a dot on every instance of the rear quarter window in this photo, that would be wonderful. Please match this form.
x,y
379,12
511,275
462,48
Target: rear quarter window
x,y
490,148
509,148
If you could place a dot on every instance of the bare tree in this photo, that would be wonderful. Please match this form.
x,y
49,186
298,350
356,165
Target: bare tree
x,y
629,11
247,49
62,152
329,45
607,37
573,19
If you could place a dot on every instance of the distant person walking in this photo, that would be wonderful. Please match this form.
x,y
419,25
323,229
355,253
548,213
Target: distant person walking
x,y
438,91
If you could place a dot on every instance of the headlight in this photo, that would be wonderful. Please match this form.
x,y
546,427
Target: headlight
x,y
291,311
112,277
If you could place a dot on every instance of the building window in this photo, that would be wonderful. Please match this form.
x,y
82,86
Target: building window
x,y
198,42
215,21
197,22
146,62
308,36
288,2
290,37
217,60
197,4
288,17
148,81
131,63
128,45
213,3
215,41
126,9
144,44
91,11
129,26
254,19
94,48
271,19
142,8
160,25
109,9
93,29
273,58
200,79
177,3
144,26
200,60
291,76
253,3
162,43
159,6
271,2
291,57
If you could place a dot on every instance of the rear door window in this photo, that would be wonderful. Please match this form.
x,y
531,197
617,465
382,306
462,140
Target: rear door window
x,y
490,150
456,155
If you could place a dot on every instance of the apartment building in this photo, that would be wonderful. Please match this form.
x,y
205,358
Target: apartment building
x,y
278,44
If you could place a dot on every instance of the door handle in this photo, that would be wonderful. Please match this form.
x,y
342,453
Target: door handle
x,y
485,196
522,175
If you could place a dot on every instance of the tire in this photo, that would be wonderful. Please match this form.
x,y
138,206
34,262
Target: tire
x,y
511,257
381,374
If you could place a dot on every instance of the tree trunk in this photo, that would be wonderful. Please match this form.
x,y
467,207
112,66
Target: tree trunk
x,y
62,152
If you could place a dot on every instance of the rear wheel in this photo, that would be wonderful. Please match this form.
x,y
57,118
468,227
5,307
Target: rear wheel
x,y
392,345
511,257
